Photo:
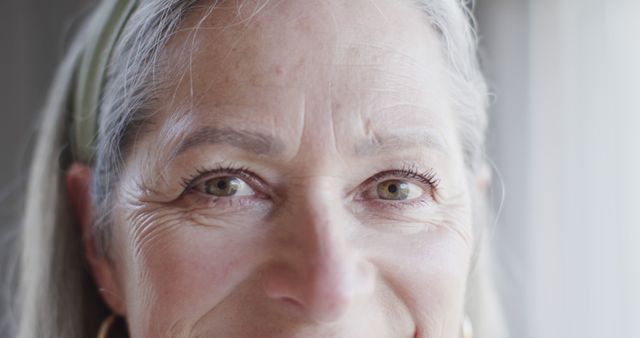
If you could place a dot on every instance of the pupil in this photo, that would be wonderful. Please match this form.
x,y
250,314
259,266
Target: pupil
x,y
392,188
222,185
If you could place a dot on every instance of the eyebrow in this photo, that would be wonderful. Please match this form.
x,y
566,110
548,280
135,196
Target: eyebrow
x,y
255,142
263,144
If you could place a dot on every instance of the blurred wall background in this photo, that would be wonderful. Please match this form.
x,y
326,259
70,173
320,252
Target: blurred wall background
x,y
565,138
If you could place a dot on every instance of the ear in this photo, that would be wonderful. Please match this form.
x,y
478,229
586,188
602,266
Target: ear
x,y
483,178
104,273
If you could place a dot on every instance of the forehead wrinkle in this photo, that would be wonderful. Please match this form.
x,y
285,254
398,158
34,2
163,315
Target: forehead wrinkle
x,y
382,53
380,143
397,72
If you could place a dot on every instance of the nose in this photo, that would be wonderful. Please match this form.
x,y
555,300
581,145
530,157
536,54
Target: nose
x,y
318,269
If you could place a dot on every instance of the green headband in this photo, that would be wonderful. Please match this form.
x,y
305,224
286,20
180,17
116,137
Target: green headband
x,y
109,23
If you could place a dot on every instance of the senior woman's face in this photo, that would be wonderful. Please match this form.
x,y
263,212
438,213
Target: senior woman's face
x,y
302,178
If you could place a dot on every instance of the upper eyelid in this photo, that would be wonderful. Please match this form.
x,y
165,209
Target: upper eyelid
x,y
404,173
205,174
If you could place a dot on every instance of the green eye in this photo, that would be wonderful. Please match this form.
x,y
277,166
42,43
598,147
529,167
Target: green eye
x,y
397,190
224,186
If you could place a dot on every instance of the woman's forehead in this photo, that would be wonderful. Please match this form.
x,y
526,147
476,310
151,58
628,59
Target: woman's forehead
x,y
297,44
337,67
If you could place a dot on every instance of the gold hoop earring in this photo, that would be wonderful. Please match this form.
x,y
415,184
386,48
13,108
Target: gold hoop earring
x,y
105,327
467,327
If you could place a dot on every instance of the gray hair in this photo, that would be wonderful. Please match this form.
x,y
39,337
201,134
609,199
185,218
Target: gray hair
x,y
57,295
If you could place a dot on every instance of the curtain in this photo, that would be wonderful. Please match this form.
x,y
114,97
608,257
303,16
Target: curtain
x,y
566,141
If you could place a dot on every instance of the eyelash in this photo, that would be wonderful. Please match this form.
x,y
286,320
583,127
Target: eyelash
x,y
428,177
189,182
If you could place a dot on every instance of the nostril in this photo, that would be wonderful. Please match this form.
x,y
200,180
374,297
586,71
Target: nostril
x,y
291,303
319,299
279,285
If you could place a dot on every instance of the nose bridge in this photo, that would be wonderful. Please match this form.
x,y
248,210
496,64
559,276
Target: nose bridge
x,y
321,271
324,238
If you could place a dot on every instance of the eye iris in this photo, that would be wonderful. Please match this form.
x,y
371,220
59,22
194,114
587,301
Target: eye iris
x,y
393,190
222,186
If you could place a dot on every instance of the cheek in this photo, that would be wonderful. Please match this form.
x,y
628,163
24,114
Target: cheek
x,y
180,271
428,271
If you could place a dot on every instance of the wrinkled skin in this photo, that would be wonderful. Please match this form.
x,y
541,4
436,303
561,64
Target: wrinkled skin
x,y
310,110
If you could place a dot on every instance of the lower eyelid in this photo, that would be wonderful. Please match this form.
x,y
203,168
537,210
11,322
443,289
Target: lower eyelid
x,y
414,201
207,201
222,212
